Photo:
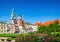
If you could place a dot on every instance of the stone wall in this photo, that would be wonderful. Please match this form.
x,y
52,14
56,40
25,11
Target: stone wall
x,y
5,39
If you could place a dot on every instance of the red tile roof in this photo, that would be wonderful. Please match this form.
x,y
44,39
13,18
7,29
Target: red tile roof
x,y
49,22
46,23
38,24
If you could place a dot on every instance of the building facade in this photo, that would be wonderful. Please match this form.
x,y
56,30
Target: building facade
x,y
16,26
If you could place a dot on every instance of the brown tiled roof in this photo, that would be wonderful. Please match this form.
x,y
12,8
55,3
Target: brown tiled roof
x,y
59,21
49,22
46,23
38,24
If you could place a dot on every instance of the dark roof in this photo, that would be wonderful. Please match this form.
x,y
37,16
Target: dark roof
x,y
4,22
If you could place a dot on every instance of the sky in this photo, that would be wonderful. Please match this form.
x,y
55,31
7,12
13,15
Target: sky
x,y
31,10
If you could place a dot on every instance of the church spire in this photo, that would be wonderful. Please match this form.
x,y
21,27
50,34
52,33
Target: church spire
x,y
13,19
13,14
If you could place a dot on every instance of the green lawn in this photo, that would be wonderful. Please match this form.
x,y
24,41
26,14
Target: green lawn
x,y
8,35
13,36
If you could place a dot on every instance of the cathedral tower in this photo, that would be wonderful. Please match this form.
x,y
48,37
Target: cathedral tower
x,y
19,21
13,18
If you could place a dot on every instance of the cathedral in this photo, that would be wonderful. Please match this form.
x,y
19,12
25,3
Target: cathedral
x,y
16,25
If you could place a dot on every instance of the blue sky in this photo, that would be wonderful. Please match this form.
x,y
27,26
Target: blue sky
x,y
31,10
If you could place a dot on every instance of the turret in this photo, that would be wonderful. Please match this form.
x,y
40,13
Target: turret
x,y
19,21
19,17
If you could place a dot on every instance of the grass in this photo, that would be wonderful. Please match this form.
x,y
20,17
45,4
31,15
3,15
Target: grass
x,y
13,36
8,35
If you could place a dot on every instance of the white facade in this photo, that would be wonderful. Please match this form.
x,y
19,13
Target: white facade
x,y
6,28
34,28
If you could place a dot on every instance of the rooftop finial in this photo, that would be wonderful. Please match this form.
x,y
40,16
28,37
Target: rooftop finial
x,y
12,10
19,16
